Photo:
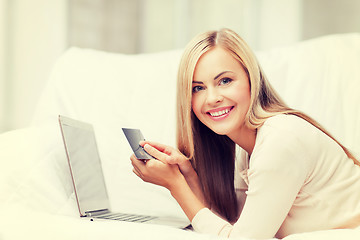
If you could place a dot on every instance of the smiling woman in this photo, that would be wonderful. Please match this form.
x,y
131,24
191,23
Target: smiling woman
x,y
294,169
224,98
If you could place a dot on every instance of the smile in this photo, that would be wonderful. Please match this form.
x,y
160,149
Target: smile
x,y
220,113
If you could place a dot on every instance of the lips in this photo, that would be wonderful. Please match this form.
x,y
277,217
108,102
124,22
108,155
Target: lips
x,y
219,113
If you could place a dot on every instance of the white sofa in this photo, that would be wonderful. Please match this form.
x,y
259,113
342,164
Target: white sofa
x,y
320,77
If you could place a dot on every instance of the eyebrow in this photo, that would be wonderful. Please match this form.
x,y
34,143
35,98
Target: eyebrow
x,y
219,75
216,77
197,82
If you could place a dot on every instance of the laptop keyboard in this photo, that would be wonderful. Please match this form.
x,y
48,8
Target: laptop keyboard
x,y
126,217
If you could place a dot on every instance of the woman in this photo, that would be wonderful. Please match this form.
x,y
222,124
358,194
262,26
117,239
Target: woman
x,y
289,176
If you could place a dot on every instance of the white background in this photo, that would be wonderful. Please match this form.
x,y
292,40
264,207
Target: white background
x,y
33,33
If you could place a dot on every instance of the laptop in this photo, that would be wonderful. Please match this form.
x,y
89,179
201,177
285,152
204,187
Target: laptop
x,y
88,179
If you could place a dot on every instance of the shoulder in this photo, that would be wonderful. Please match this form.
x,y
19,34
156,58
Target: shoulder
x,y
286,123
284,140
288,128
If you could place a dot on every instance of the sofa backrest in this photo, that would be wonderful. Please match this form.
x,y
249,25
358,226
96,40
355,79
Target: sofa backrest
x,y
320,77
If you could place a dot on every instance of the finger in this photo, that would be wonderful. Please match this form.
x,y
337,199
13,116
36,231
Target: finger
x,y
136,173
143,142
163,153
137,170
161,147
174,160
156,153
172,156
132,157
138,164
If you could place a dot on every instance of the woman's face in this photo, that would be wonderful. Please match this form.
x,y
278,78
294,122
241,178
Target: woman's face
x,y
221,92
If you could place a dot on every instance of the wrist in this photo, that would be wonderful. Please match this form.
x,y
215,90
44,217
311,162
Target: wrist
x,y
187,170
177,184
191,176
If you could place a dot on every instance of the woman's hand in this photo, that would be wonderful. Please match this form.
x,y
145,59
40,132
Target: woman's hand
x,y
168,175
173,157
157,172
169,155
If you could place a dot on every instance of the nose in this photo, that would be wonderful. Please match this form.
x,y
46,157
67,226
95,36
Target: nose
x,y
213,96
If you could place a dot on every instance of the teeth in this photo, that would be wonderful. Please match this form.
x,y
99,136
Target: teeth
x,y
216,114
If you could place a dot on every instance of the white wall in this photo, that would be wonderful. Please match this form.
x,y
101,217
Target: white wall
x,y
328,17
157,25
109,25
3,65
33,33
262,23
38,31
280,23
37,36
169,24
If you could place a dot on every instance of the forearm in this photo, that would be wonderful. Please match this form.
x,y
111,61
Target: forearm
x,y
187,199
193,181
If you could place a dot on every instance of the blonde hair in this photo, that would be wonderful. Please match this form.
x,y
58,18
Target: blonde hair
x,y
213,155
264,102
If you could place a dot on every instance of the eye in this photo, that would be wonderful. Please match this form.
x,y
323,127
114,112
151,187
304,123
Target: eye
x,y
225,81
197,89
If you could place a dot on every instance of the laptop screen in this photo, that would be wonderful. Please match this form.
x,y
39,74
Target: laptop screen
x,y
85,165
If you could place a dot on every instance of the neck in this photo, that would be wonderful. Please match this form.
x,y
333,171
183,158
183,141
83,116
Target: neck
x,y
245,138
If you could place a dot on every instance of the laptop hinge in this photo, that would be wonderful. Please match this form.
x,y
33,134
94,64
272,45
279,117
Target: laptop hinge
x,y
96,212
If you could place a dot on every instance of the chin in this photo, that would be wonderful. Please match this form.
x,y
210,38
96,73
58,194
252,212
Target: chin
x,y
228,128
220,131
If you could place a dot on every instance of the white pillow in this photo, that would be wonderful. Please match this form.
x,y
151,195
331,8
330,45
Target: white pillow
x,y
322,78
112,91
34,174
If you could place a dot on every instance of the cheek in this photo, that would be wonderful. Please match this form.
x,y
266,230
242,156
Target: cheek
x,y
196,106
242,98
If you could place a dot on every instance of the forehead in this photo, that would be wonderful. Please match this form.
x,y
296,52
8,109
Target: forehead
x,y
214,61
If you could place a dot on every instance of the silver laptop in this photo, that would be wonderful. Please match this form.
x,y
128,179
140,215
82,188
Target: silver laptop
x,y
88,179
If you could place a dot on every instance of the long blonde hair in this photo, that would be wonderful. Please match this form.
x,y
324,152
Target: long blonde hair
x,y
264,103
